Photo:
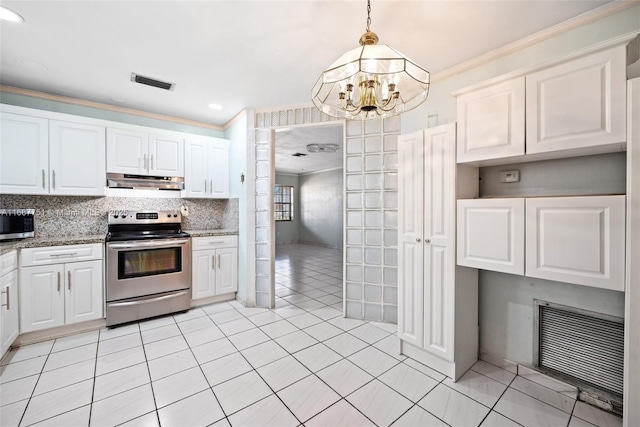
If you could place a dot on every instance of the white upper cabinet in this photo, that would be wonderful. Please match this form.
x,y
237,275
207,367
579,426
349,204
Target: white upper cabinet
x,y
24,154
40,156
577,104
491,122
139,153
577,240
491,234
76,159
206,168
573,108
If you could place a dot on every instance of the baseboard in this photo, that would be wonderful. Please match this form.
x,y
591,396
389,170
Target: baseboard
x,y
59,332
211,300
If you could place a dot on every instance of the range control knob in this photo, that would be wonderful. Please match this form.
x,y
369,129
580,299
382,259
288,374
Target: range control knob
x,y
115,216
175,215
168,215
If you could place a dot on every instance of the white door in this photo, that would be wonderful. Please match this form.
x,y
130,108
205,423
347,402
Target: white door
x,y
83,291
203,274
166,155
491,122
76,159
196,181
410,232
581,103
127,151
491,234
9,320
439,239
219,169
41,297
24,154
226,273
577,240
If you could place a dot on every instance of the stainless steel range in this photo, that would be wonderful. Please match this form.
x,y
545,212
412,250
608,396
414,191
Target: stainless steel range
x,y
148,265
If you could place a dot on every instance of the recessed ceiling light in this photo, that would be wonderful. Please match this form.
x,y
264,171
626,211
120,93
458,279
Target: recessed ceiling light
x,y
215,106
10,15
32,65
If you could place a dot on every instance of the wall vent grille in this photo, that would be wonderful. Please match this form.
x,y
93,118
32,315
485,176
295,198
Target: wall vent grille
x,y
580,344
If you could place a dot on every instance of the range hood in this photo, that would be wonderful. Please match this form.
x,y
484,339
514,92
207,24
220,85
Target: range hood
x,y
119,180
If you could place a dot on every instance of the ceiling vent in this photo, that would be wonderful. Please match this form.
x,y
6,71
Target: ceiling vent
x,y
151,82
298,154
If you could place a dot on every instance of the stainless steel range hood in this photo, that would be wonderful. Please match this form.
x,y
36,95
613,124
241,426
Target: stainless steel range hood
x,y
118,180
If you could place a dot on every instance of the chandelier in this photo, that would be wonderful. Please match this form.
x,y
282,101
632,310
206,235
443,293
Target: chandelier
x,y
370,81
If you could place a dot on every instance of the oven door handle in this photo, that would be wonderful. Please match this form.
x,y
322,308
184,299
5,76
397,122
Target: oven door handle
x,y
137,245
147,300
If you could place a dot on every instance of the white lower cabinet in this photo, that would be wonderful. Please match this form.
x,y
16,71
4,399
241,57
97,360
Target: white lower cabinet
x,y
437,307
215,266
62,291
577,240
491,234
9,318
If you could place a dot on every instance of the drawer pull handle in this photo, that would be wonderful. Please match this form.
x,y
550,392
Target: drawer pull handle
x,y
8,304
69,281
58,281
217,242
70,254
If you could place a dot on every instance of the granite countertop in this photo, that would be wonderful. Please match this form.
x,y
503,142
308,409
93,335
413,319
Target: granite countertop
x,y
212,232
38,242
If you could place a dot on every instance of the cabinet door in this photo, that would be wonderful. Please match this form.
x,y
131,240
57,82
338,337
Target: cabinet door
x,y
83,291
127,151
203,274
578,104
491,122
439,240
9,326
218,159
196,178
41,297
491,234
24,155
577,240
76,159
410,233
166,155
227,271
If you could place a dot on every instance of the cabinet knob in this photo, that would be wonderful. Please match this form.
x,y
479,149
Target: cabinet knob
x,y
418,240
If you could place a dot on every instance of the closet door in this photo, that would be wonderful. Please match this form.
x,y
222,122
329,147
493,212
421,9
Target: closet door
x,y
439,240
410,232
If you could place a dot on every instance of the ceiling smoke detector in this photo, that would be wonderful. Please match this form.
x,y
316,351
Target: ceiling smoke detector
x,y
322,148
137,78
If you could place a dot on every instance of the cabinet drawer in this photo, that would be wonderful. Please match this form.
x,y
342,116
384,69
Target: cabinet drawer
x,y
60,254
213,242
8,262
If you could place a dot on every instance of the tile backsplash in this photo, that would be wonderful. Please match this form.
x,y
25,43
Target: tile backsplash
x,y
73,216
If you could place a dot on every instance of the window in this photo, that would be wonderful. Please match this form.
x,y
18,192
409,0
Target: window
x,y
283,199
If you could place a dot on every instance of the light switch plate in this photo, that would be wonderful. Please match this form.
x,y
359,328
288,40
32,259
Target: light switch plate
x,y
510,176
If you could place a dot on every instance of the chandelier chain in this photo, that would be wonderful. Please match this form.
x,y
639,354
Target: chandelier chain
x,y
368,14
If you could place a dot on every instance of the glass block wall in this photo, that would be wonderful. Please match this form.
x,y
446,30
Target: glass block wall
x,y
263,212
371,219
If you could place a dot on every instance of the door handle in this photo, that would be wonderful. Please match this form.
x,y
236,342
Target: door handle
x,y
8,304
151,163
213,262
211,186
43,179
53,179
205,186
58,281
146,165
69,280
218,261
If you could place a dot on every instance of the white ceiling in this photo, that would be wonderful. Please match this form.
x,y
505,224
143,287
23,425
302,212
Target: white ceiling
x,y
295,140
241,54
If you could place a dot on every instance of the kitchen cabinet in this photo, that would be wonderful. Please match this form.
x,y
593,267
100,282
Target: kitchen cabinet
x,y
574,107
137,152
60,285
491,234
41,156
577,240
437,308
9,318
206,168
491,122
215,266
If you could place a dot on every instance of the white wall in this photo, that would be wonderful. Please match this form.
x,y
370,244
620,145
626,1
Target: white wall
x,y
288,231
321,208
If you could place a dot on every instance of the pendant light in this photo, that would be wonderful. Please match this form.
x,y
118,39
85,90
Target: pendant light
x,y
370,81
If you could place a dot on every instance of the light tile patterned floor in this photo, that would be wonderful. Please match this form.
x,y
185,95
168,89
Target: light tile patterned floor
x,y
301,363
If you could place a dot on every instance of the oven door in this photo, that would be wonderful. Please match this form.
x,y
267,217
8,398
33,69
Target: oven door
x,y
138,268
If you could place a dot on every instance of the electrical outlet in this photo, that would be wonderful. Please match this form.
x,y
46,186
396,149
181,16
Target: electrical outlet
x,y
510,176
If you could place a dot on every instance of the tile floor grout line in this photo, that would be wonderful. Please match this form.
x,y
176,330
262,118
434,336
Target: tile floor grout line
x,y
492,409
26,408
